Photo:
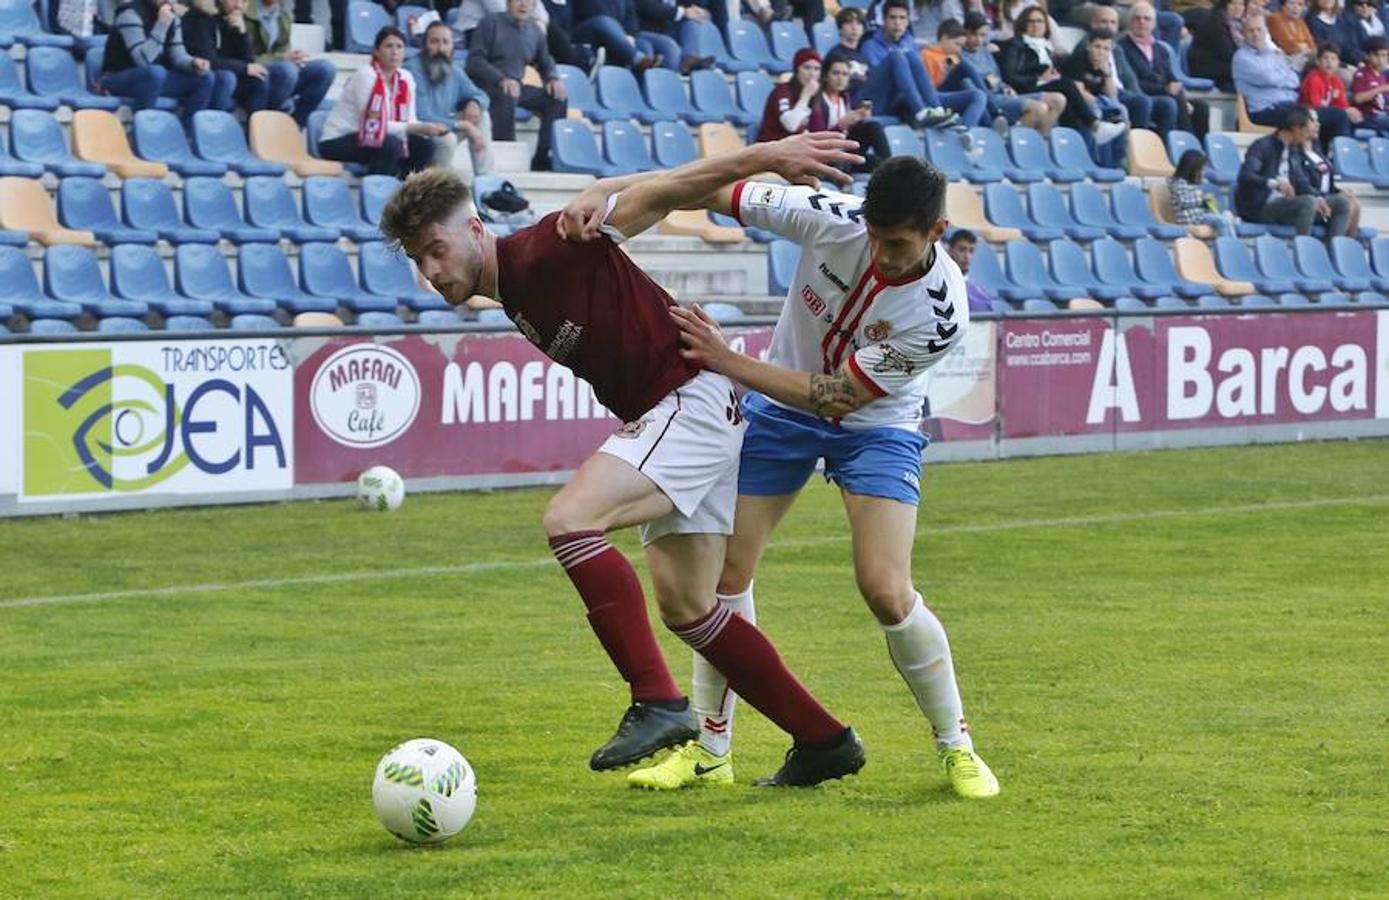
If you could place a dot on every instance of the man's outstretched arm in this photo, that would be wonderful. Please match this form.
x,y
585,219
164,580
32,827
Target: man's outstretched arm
x,y
647,198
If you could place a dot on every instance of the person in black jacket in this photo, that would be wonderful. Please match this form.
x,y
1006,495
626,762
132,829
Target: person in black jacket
x,y
220,37
1272,189
1152,68
678,21
1338,209
1214,42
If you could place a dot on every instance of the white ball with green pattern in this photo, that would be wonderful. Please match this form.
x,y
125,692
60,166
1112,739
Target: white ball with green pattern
x,y
425,791
380,488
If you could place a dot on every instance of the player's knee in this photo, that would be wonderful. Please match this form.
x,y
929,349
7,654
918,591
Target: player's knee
x,y
735,577
889,599
565,516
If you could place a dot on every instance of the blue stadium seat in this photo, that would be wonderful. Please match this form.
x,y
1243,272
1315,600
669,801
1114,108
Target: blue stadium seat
x,y
1114,267
403,16
1379,156
187,323
1172,303
1352,162
1179,142
208,203
14,94
439,317
1314,262
388,272
1350,259
753,89
1294,300
1276,261
1029,151
376,191
1131,305
71,274
254,322
148,204
200,272
324,270
1257,301
54,73
624,146
13,238
722,312
902,140
1005,210
710,42
1069,266
494,316
1092,207
51,326
787,37
576,151
1155,265
1212,301
944,150
1177,60
673,145
1235,263
782,259
1069,150
712,97
263,271
1026,266
219,137
269,204
159,136
19,21
328,202
580,94
22,291
364,19
379,320
991,155
1131,208
665,93
36,136
313,130
11,166
1224,156
1049,209
121,325
85,204
137,273
748,44
618,92
826,35
1036,306
987,269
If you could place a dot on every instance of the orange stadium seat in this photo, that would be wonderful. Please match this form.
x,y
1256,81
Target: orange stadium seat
x,y
1243,122
99,137
1147,156
276,138
964,210
24,206
1195,263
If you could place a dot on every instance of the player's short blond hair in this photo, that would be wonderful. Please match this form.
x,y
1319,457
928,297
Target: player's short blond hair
x,y
426,198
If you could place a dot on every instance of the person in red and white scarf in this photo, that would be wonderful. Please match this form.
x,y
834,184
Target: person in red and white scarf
x,y
374,122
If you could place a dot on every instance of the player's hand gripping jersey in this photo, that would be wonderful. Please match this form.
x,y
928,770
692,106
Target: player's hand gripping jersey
x,y
841,309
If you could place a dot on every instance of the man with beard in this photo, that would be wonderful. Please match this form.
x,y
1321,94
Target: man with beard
x,y
446,95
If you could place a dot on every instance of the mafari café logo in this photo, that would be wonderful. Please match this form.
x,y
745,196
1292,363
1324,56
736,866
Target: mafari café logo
x,y
365,395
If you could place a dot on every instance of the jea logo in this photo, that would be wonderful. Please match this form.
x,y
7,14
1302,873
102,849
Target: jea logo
x,y
365,395
98,420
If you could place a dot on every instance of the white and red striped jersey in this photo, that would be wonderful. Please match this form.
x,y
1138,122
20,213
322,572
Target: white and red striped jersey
x,y
840,309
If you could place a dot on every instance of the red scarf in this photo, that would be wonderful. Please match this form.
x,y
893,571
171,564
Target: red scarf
x,y
380,112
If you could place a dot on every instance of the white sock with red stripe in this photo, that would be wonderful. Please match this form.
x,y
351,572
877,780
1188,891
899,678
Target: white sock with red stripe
x,y
713,700
920,650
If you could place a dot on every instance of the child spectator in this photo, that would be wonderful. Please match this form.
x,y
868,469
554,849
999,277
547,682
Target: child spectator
x,y
1191,205
1323,87
1370,89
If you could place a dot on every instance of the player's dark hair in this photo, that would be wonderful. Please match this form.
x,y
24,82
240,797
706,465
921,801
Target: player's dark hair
x,y
426,198
905,190
1295,117
963,236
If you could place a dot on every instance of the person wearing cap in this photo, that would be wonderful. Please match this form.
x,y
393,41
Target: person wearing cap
x,y
787,111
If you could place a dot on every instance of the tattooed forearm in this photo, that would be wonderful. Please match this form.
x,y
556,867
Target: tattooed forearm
x,y
832,396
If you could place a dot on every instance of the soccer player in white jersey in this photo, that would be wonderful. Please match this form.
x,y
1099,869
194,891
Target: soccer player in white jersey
x,y
875,303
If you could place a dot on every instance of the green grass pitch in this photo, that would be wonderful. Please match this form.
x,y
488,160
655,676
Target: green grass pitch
x,y
1177,663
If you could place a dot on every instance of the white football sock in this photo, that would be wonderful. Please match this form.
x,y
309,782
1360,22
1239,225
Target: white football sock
x,y
920,650
713,701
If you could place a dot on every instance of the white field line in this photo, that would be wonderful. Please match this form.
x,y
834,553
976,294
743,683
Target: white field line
x,y
212,587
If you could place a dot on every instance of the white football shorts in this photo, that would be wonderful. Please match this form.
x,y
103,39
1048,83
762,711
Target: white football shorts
x,y
688,444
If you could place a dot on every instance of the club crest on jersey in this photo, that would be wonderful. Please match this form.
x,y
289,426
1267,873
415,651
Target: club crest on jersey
x,y
766,195
632,430
813,301
878,331
893,360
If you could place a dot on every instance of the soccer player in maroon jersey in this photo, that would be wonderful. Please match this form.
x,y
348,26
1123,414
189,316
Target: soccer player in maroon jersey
x,y
671,469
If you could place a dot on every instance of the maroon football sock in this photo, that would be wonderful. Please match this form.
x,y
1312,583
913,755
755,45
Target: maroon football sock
x,y
616,612
754,670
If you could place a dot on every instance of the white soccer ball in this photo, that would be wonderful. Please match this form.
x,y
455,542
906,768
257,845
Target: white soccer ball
x,y
380,488
425,791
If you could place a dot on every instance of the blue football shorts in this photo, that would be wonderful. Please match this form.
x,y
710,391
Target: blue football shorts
x,y
781,447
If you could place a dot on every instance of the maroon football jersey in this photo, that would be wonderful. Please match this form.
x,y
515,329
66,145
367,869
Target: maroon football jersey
x,y
589,307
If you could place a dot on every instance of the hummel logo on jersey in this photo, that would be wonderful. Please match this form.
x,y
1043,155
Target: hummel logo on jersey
x,y
734,410
822,203
834,279
701,771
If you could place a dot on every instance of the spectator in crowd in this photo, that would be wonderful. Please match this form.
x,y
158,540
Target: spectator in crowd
x,y
852,24
1339,211
1152,69
1271,189
1140,106
678,22
928,15
1322,86
899,84
146,59
1027,67
1093,75
503,45
612,25
208,34
1190,204
1288,29
1269,86
787,110
1370,89
1039,111
1329,26
764,11
292,75
961,247
1364,14
831,111
558,35
445,95
1214,42
1008,13
374,120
